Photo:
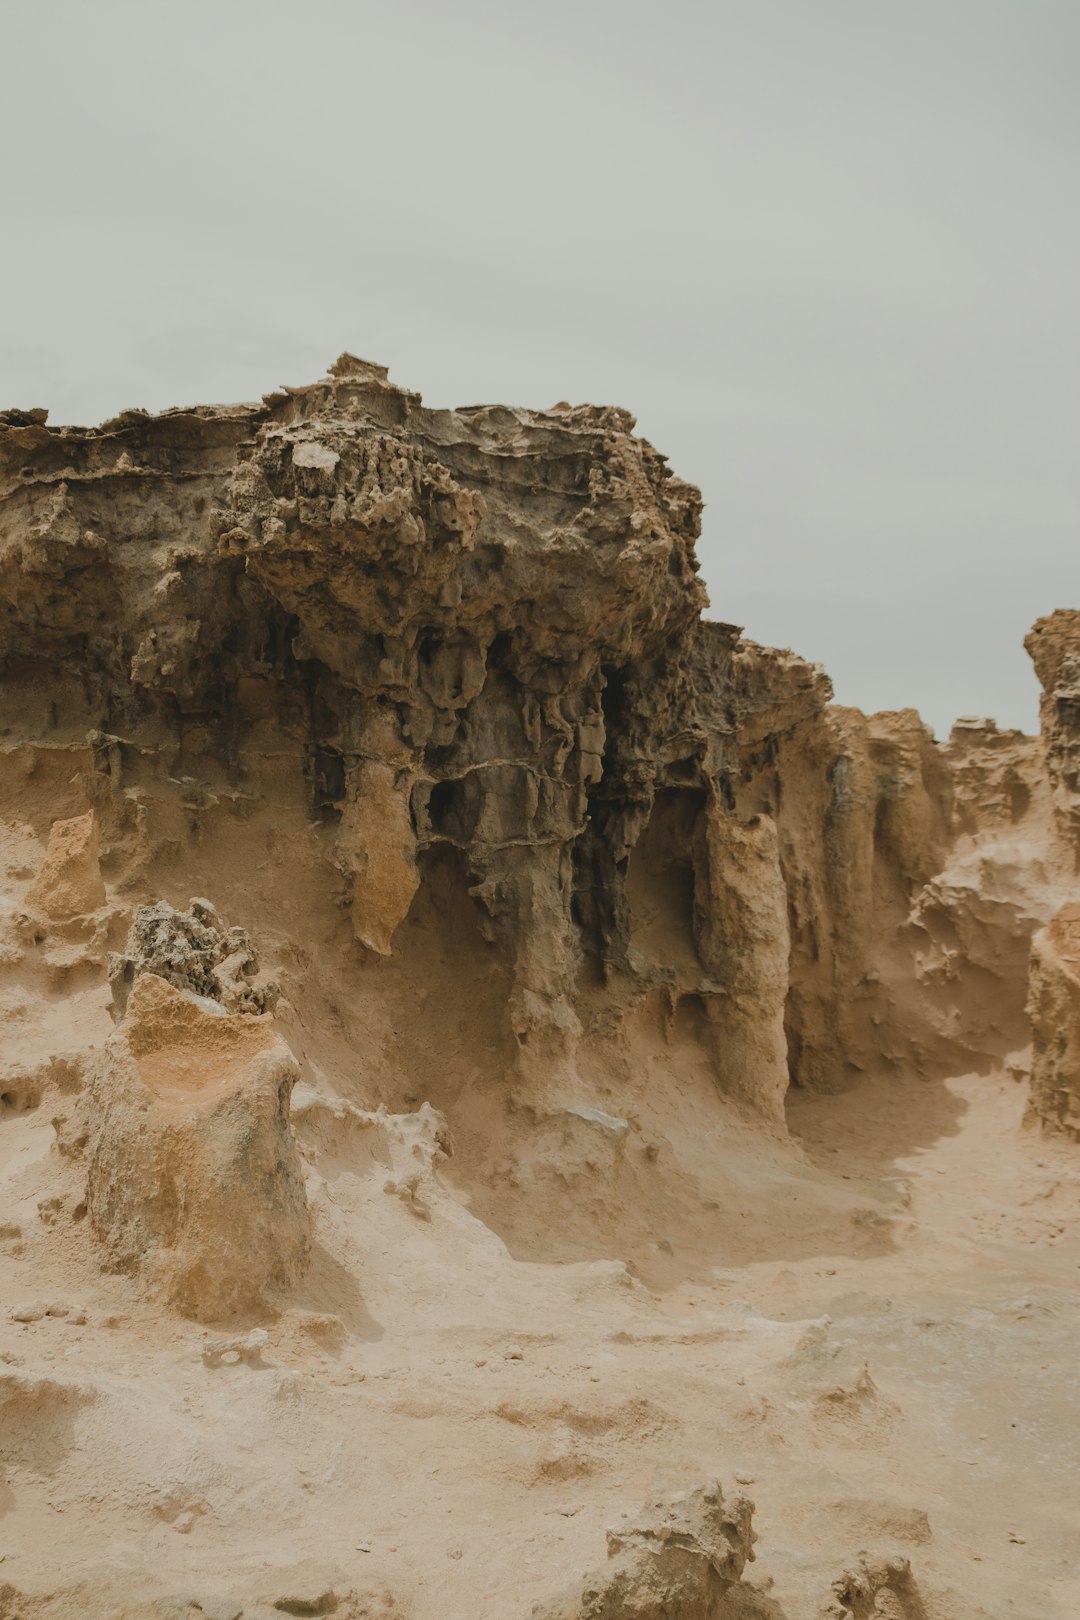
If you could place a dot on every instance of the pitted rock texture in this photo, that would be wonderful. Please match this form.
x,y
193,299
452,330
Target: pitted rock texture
x,y
193,951
875,1589
593,1051
479,618
678,1561
479,632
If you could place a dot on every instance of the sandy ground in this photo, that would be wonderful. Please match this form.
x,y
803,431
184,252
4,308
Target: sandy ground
x,y
894,1368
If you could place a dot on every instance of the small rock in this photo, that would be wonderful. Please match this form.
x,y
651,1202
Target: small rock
x,y
744,1479
325,1603
515,1353
29,1313
247,1347
324,1328
312,1590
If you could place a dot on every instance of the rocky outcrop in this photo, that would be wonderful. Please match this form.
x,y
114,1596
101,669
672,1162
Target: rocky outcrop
x,y
543,890
476,629
1054,1010
68,883
195,952
1054,646
472,641
862,807
741,936
194,1182
883,1587
678,1561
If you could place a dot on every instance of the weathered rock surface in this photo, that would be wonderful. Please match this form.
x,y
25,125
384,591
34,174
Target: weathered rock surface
x,y
548,890
678,1561
1054,645
194,1181
193,951
478,632
881,1587
68,883
1054,1010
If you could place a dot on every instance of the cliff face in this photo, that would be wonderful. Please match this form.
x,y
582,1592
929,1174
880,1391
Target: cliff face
x,y
466,634
454,663
543,889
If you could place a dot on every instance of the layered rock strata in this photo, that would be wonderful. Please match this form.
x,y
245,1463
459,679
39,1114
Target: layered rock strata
x,y
468,646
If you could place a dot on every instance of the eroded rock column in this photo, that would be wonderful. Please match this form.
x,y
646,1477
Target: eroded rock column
x,y
1054,1011
194,1179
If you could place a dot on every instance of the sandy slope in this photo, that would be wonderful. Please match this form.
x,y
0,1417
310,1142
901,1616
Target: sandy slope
x,y
870,1327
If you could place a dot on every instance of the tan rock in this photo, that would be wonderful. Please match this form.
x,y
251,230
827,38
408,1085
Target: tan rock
x,y
1054,1011
378,846
875,1588
1054,646
617,875
676,1561
741,929
194,951
194,1182
69,883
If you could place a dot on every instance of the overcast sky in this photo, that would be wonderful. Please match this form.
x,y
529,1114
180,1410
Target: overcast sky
x,y
828,251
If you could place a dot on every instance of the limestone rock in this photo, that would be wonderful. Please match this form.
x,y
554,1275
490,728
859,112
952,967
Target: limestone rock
x,y
675,1562
1054,1011
875,1588
554,872
194,1180
378,845
1054,646
68,883
741,930
193,951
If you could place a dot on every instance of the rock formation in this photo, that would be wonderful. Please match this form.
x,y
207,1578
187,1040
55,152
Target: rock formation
x,y
561,906
677,1562
1054,1010
1054,645
68,883
193,1174
191,950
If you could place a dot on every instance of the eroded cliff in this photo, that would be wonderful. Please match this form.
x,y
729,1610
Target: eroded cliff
x,y
525,896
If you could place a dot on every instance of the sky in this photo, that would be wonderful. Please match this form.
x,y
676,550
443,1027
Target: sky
x,y
827,251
